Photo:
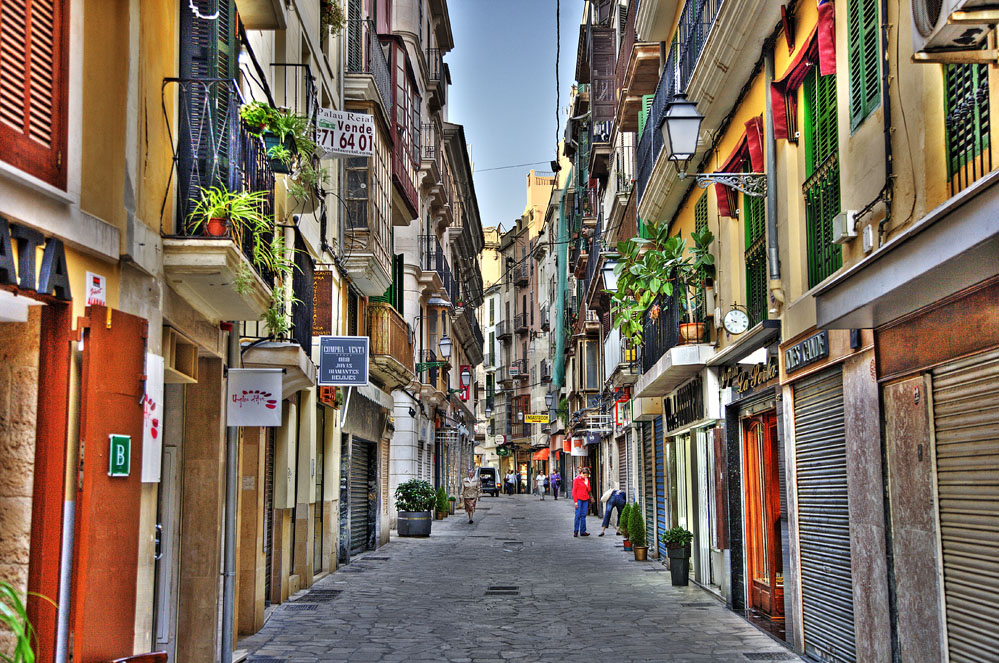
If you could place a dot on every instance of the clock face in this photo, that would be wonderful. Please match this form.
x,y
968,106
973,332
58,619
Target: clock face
x,y
736,321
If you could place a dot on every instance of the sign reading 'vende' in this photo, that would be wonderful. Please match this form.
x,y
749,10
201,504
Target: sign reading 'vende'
x,y
340,132
343,361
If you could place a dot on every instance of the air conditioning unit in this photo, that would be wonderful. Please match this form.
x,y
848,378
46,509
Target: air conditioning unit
x,y
844,227
951,25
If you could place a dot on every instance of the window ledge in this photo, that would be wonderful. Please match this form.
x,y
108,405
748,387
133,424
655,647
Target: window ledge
x,y
16,174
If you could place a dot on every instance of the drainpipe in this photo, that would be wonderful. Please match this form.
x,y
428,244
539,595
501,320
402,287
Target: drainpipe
x,y
229,541
886,103
773,247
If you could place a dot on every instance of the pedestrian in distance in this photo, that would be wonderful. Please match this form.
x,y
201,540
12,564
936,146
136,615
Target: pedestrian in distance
x,y
613,499
555,480
511,482
541,480
471,490
581,498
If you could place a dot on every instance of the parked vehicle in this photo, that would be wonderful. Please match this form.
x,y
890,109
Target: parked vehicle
x,y
489,478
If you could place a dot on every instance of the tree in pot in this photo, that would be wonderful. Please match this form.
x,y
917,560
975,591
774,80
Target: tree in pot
x,y
440,504
636,528
652,267
414,499
677,541
623,523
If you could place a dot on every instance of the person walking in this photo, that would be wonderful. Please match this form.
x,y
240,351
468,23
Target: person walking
x,y
581,498
541,480
555,479
511,482
613,499
471,489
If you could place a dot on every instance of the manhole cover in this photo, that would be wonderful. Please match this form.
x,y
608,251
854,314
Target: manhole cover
x,y
769,656
301,607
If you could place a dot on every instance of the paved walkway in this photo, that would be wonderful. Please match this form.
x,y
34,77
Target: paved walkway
x,y
554,598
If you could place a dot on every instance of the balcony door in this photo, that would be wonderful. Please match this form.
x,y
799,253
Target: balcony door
x,y
761,488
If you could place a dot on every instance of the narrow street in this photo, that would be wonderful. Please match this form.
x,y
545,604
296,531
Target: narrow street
x,y
515,585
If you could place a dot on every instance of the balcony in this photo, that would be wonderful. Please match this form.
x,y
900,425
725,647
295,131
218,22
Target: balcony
x,y
520,323
368,230
433,381
262,14
519,431
431,263
437,77
711,58
593,280
518,369
600,149
665,362
431,155
369,77
391,351
546,371
581,257
621,365
504,329
214,150
545,318
489,361
521,274
637,74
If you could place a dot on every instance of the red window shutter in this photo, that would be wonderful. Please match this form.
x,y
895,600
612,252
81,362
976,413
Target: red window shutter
x,y
33,39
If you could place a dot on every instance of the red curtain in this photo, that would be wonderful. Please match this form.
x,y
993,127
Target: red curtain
x,y
750,146
819,48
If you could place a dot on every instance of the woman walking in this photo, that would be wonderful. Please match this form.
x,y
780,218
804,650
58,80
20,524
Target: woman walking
x,y
471,489
541,480
555,479
581,497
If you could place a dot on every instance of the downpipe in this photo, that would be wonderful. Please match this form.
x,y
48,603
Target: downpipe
x,y
887,192
65,581
773,244
229,541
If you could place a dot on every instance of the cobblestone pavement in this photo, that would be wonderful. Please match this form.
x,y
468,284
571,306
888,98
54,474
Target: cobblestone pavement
x,y
554,598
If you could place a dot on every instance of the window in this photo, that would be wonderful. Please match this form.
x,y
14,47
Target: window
x,y
492,311
821,189
966,123
754,219
862,34
492,343
33,88
701,223
591,367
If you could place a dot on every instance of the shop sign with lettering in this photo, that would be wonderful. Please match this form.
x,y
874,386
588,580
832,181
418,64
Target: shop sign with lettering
x,y
343,361
748,378
535,418
809,351
18,246
322,303
345,133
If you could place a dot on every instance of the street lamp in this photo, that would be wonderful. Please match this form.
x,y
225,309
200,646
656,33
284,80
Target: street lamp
x,y
610,278
445,347
681,128
489,411
549,399
466,377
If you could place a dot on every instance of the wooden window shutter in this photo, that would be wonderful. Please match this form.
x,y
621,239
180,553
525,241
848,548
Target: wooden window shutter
x,y
33,96
862,36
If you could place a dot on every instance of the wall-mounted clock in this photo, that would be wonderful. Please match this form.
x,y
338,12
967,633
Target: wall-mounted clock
x,y
736,321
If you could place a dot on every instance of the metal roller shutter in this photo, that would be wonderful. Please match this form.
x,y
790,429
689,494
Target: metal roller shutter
x,y
824,518
661,517
622,466
649,484
360,463
268,513
966,427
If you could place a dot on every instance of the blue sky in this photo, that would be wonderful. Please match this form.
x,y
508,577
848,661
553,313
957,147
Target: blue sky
x,y
503,91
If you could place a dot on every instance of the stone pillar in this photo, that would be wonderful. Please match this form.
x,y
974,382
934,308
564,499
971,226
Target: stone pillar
x,y
403,454
250,563
202,500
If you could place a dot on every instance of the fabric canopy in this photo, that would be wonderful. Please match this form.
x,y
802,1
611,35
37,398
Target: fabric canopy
x,y
541,454
819,48
750,146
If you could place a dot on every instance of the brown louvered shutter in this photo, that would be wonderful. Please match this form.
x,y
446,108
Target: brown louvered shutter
x,y
33,87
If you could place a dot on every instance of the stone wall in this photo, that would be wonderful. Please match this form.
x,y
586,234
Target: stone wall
x,y
18,403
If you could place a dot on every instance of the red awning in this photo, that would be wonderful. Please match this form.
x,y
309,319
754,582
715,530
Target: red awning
x,y
541,454
750,146
819,48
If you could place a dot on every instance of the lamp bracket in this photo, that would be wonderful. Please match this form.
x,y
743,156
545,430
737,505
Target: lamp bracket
x,y
751,184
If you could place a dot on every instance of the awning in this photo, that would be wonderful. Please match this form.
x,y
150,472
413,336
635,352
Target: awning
x,y
820,49
540,455
749,147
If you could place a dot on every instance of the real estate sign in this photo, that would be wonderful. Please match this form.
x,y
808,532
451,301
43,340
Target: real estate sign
x,y
341,132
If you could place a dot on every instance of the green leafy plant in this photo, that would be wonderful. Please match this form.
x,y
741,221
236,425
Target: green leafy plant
x,y
563,410
280,153
636,527
676,537
650,267
415,495
242,282
256,115
331,15
276,316
14,616
442,504
622,519
306,181
242,211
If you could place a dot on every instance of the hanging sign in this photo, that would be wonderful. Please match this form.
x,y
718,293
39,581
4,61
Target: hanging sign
x,y
535,418
120,455
341,132
152,419
343,361
322,303
97,290
254,397
579,447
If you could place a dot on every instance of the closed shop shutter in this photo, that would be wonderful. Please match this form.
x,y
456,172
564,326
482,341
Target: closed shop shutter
x,y
966,426
268,513
360,470
661,516
649,487
823,518
622,466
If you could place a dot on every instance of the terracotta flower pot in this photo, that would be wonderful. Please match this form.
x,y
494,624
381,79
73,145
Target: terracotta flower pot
x,y
692,332
627,544
217,227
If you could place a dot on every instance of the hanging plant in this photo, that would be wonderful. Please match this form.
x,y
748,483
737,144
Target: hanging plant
x,y
331,16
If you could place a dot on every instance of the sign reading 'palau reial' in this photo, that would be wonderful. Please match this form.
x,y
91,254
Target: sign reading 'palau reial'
x,y
343,361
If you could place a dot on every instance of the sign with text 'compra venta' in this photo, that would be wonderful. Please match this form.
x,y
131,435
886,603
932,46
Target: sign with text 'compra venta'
x,y
254,397
343,361
342,132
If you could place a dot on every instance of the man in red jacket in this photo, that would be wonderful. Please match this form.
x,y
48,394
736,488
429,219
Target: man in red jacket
x,y
581,497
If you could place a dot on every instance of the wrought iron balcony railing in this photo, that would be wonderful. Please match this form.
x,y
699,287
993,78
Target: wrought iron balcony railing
x,y
436,75
430,144
504,329
214,149
520,323
365,56
521,276
661,329
431,255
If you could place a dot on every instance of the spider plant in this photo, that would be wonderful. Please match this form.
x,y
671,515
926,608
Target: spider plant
x,y
14,616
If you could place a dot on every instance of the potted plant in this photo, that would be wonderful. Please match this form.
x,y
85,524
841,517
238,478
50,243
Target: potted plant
x,y
220,212
451,501
414,500
622,524
653,266
440,504
636,527
677,541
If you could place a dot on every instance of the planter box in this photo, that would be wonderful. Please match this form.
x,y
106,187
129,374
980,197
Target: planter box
x,y
414,523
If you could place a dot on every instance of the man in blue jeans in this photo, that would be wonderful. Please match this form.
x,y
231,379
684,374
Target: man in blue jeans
x,y
616,500
581,497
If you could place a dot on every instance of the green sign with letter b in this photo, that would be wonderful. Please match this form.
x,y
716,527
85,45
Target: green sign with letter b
x,y
120,456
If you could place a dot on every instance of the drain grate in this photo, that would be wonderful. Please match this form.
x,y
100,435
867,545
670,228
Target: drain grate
x,y
518,517
266,659
495,593
302,607
322,595
512,543
503,588
369,558
769,656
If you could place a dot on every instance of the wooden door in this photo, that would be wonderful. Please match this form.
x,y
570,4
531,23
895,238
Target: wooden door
x,y
764,566
107,512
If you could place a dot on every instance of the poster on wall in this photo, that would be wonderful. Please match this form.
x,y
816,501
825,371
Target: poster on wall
x,y
343,361
97,289
254,397
579,447
152,419
345,133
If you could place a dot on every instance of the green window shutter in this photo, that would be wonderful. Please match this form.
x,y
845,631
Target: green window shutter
x,y
966,117
754,218
862,37
643,113
701,212
821,189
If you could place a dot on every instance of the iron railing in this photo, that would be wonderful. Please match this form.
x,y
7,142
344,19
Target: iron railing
x,y
504,329
435,73
520,322
365,56
520,273
520,430
431,255
651,142
695,25
518,368
822,204
546,371
430,147
488,360
661,329
624,168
